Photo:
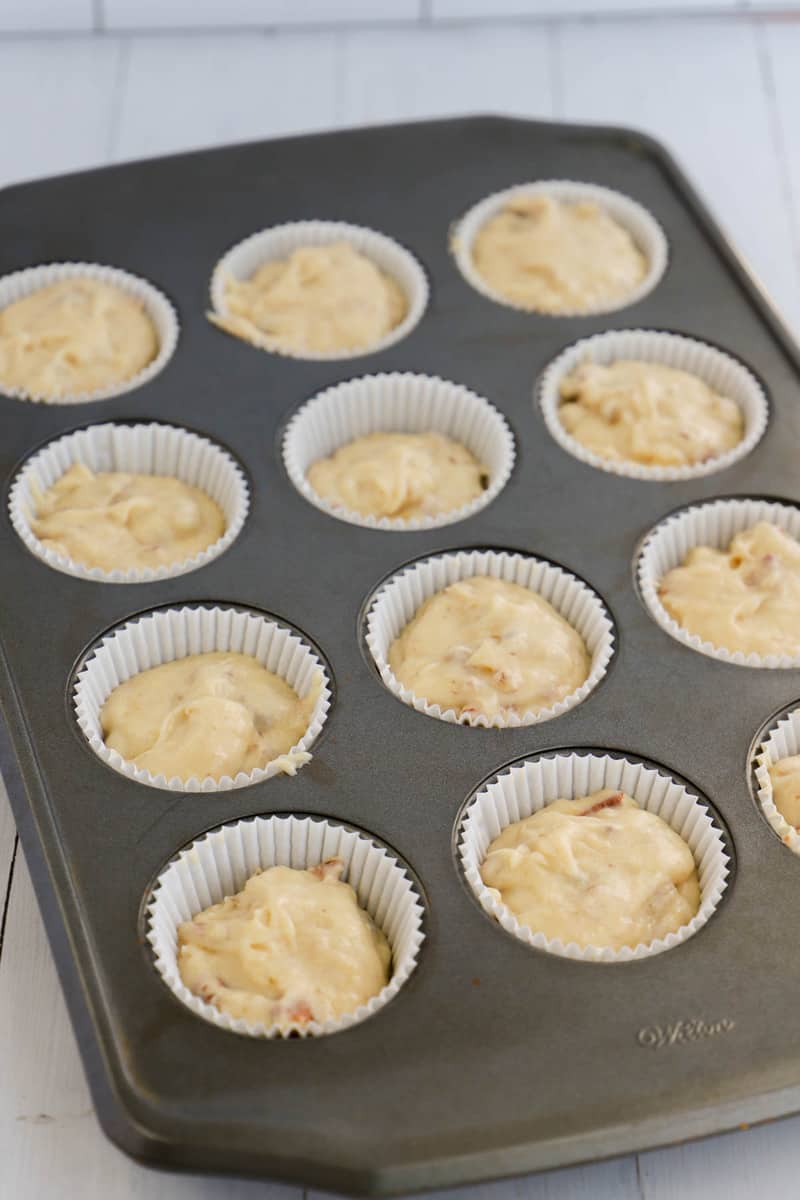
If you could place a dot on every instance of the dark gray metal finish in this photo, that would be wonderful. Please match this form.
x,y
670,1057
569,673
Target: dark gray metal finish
x,y
494,1059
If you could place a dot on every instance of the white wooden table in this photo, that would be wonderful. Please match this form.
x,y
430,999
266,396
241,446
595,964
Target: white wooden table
x,y
723,93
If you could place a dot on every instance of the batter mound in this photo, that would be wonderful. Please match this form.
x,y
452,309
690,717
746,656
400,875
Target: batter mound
x,y
321,299
485,646
400,475
292,947
744,598
73,337
596,871
648,413
785,777
206,716
549,256
117,521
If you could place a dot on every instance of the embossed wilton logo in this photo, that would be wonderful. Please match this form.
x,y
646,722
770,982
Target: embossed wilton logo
x,y
656,1037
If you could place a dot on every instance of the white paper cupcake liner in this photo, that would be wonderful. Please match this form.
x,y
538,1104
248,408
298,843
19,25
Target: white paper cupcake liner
x,y
529,786
719,371
169,634
401,596
398,403
643,228
714,524
150,449
159,309
220,863
244,259
781,741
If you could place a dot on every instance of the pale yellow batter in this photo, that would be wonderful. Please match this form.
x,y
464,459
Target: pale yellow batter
x,y
596,871
73,337
785,777
744,598
400,475
485,646
647,413
117,521
290,948
550,256
320,299
205,716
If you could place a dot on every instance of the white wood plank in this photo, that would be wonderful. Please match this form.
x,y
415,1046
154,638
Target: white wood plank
x,y
45,16
492,9
50,1143
699,85
189,92
64,121
405,73
780,41
738,1166
204,14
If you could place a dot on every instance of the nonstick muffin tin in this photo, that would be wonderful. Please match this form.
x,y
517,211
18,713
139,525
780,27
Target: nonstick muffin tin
x,y
494,1057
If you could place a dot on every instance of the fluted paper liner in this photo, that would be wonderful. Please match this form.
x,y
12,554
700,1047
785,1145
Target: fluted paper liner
x,y
643,228
527,787
158,308
781,741
244,259
220,863
713,523
718,370
398,403
150,449
166,635
401,596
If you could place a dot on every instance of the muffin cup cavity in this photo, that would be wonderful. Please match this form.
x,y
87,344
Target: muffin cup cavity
x,y
151,449
220,863
278,242
781,740
720,371
643,228
527,787
713,523
158,308
399,598
169,634
398,403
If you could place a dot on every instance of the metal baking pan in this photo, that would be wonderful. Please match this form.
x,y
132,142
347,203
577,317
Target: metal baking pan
x,y
495,1058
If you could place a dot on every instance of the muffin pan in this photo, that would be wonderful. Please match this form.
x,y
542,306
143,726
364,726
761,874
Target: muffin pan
x,y
494,1057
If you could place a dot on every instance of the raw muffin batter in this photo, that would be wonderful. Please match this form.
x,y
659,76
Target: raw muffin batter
x,y
320,299
115,521
596,871
205,716
744,598
647,413
74,337
290,948
785,777
400,475
485,646
550,256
